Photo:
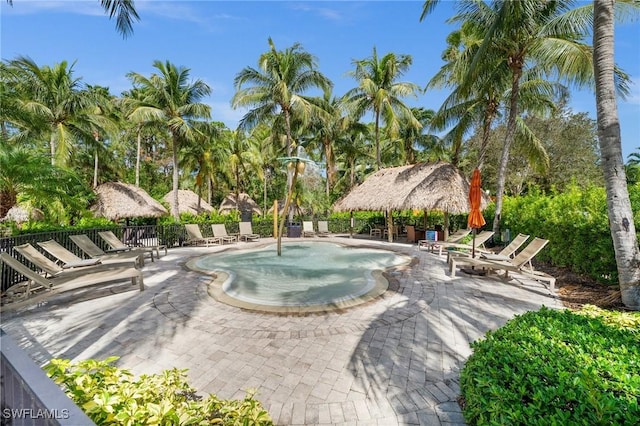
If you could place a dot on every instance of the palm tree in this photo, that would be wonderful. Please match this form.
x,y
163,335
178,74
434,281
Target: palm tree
x,y
245,159
171,100
625,242
278,87
125,13
52,105
379,91
205,156
530,36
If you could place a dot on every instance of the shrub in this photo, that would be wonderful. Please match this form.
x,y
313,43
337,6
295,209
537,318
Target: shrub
x,y
110,395
555,367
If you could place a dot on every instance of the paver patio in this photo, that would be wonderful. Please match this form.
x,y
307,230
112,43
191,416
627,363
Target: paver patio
x,y
393,361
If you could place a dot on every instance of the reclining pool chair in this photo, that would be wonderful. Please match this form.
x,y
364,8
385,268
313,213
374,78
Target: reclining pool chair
x,y
456,237
194,236
323,228
521,263
92,250
70,281
118,246
455,248
220,231
68,259
307,229
246,232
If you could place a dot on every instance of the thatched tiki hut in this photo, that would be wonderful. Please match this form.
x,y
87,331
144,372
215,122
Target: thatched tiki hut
x,y
188,202
118,200
243,204
425,186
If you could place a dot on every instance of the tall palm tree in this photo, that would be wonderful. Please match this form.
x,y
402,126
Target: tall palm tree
x,y
171,100
625,242
278,87
379,91
52,104
529,35
205,156
124,11
245,159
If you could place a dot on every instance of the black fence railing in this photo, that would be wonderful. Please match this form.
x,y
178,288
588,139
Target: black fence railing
x,y
172,235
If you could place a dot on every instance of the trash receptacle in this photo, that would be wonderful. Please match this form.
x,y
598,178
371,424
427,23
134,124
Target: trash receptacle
x,y
294,230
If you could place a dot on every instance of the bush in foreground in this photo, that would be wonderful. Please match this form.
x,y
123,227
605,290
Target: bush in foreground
x,y
556,367
110,395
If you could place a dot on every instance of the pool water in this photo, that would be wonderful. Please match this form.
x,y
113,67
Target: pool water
x,y
307,274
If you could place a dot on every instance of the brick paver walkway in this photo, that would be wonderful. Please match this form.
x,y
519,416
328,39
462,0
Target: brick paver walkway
x,y
393,361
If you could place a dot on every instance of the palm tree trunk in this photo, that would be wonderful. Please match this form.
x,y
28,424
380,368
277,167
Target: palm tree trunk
x,y
508,141
286,207
138,154
95,168
378,157
623,231
287,121
176,179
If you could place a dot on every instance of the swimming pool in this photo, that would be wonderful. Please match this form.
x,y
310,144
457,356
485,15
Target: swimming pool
x,y
308,277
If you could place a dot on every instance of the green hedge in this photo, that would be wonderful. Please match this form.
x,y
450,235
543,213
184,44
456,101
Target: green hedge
x,y
556,368
575,222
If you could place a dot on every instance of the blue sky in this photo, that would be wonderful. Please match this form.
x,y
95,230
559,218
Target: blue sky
x,y
216,39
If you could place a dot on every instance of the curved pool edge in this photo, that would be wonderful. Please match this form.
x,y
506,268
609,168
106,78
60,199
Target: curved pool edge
x,y
383,282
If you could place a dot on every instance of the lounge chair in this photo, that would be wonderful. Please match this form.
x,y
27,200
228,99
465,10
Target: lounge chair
x,y
42,262
521,263
66,258
456,237
64,282
323,228
307,229
220,231
92,250
505,254
481,238
194,236
118,246
49,267
246,232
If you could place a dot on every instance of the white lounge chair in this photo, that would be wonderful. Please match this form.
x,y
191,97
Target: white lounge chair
x,y
521,263
323,228
117,246
220,231
27,291
68,259
246,232
456,237
92,250
194,236
307,229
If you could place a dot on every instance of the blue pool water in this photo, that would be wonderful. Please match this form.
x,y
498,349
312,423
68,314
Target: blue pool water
x,y
307,273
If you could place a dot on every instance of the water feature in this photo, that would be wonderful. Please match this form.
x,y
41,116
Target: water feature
x,y
309,276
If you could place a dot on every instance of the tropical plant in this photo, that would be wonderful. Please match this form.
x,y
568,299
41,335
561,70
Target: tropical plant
x,y
171,100
531,37
277,88
52,105
378,90
124,11
31,178
625,241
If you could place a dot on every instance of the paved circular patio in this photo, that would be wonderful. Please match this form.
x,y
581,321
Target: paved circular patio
x,y
395,360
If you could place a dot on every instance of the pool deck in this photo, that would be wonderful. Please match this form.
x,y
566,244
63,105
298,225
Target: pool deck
x,y
393,361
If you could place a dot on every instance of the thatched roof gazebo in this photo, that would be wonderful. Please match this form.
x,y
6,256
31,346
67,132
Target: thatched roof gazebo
x,y
188,202
425,186
118,200
22,213
244,204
